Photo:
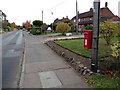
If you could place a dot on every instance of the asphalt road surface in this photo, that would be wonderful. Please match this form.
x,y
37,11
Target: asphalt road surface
x,y
12,53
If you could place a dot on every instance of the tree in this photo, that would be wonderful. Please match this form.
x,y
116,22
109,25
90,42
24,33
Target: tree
x,y
63,28
53,26
4,24
72,28
37,23
44,27
108,30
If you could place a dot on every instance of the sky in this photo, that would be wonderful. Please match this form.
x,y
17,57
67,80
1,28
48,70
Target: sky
x,y
19,11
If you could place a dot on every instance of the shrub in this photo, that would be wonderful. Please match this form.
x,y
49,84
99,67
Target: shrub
x,y
63,28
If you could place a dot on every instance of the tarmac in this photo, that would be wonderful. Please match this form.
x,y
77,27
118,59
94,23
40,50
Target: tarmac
x,y
43,68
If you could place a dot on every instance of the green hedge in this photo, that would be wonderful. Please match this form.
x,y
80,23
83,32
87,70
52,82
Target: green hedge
x,y
36,31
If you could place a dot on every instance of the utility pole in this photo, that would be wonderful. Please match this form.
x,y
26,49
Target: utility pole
x,y
42,15
76,16
119,22
52,19
95,40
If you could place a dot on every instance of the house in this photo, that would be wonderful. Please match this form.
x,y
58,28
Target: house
x,y
61,20
2,16
3,21
86,18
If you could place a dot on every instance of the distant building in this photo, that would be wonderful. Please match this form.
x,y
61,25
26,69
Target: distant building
x,y
2,16
86,18
3,21
61,20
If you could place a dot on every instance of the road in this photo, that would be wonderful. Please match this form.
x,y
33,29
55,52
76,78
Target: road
x,y
12,53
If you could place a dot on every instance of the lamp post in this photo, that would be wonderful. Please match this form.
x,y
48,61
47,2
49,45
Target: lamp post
x,y
95,40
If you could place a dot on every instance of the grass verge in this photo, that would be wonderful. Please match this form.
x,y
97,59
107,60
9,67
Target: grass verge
x,y
77,45
102,81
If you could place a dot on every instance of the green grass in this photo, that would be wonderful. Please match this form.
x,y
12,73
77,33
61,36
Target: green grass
x,y
101,81
77,45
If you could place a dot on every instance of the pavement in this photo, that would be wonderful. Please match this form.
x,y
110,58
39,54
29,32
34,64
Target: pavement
x,y
43,68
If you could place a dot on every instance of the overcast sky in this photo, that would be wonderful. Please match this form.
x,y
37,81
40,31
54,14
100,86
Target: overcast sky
x,y
19,11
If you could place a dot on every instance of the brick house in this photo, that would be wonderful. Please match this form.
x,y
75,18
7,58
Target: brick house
x,y
86,18
61,20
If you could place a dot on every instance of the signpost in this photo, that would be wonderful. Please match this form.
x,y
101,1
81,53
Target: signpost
x,y
95,40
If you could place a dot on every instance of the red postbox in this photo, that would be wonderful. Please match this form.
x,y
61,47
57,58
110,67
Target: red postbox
x,y
88,39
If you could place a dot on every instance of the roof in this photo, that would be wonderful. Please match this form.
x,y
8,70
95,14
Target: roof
x,y
61,20
3,13
89,13
85,14
102,19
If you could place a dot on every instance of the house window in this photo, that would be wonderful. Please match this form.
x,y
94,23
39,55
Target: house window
x,y
90,18
79,19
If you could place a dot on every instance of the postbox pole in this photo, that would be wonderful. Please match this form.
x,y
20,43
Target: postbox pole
x,y
95,40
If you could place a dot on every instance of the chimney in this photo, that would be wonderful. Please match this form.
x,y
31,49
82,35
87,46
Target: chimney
x,y
91,9
106,4
66,16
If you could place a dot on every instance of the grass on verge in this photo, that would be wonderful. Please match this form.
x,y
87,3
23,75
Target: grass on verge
x,y
77,45
102,81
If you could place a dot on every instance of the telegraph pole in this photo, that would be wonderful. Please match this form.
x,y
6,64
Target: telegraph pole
x,y
42,15
96,22
76,16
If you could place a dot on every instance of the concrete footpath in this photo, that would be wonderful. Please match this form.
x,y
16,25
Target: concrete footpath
x,y
43,68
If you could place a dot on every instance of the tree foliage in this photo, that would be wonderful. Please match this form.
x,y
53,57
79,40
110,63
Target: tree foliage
x,y
5,24
37,23
44,27
63,28
53,26
116,50
108,30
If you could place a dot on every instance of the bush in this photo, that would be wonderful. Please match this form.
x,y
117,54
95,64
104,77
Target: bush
x,y
36,31
63,28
